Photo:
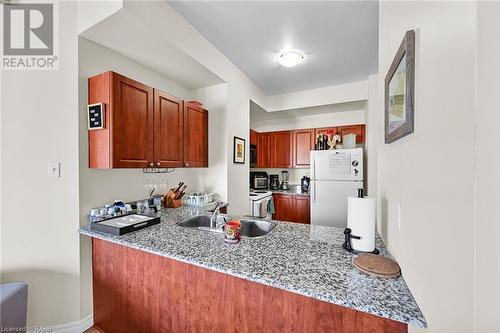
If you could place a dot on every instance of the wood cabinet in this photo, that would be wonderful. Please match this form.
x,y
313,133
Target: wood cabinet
x,y
303,143
135,291
264,150
359,130
145,127
292,208
283,207
195,136
281,149
253,137
168,130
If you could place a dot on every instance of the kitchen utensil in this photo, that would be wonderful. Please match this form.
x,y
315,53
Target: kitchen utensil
x,y
274,182
378,266
304,184
284,180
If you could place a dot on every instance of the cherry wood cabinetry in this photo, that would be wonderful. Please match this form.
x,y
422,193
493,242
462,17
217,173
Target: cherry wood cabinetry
x,y
264,150
290,149
292,208
303,143
169,130
283,207
195,136
359,130
145,127
135,291
281,149
253,137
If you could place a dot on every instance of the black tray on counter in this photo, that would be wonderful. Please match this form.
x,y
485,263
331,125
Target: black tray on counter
x,y
121,225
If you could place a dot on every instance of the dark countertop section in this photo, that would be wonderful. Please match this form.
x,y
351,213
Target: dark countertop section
x,y
304,259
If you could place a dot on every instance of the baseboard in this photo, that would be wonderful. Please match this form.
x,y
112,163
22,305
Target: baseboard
x,y
76,326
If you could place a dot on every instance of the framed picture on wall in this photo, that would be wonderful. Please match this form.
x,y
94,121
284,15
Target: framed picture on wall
x,y
239,150
400,91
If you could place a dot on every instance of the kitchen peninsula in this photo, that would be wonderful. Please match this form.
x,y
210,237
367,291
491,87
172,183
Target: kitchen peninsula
x,y
166,278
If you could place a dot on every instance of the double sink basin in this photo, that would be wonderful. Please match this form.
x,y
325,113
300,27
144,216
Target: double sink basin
x,y
249,228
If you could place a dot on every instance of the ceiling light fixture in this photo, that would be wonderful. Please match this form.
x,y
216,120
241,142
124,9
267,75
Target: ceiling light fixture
x,y
290,58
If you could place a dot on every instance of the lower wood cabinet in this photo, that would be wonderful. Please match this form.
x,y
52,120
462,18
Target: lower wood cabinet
x,y
291,208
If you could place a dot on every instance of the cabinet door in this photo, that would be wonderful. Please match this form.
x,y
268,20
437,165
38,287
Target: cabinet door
x,y
253,137
303,143
195,136
132,141
264,150
283,207
359,130
330,131
281,149
168,131
301,209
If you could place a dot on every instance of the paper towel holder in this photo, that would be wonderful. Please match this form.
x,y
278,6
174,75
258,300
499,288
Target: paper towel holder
x,y
348,245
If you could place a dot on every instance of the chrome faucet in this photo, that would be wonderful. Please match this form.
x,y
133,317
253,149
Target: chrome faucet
x,y
215,215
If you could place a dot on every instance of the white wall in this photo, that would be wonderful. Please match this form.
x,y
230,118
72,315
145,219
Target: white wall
x,y
430,172
487,214
39,216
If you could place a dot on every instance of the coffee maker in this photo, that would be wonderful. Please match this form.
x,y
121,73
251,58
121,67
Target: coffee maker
x,y
304,184
284,180
274,182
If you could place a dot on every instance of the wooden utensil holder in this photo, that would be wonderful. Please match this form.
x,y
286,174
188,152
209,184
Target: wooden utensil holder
x,y
170,202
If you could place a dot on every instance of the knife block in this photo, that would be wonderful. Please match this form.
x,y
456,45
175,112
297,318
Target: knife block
x,y
170,202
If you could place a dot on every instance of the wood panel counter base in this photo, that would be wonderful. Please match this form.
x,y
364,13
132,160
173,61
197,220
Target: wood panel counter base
x,y
135,291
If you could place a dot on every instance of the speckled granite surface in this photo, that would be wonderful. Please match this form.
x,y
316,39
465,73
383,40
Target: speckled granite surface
x,y
294,190
304,259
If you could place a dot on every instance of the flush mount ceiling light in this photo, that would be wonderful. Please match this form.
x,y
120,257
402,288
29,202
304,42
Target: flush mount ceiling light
x,y
290,58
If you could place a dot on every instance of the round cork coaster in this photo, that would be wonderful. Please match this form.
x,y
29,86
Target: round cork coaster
x,y
378,266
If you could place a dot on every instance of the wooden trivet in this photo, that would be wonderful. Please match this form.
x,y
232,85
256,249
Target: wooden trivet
x,y
378,266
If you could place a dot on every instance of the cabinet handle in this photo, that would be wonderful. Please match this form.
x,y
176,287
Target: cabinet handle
x,y
187,164
151,164
157,163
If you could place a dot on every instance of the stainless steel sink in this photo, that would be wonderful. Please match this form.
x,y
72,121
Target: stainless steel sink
x,y
249,228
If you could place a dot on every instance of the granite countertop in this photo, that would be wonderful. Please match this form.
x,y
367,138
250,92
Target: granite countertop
x,y
293,190
304,259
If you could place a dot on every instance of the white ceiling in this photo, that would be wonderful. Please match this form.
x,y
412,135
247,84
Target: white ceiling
x,y
124,34
339,39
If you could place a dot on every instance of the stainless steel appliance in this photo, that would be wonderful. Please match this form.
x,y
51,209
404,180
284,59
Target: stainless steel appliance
x,y
335,175
284,180
274,182
253,156
259,180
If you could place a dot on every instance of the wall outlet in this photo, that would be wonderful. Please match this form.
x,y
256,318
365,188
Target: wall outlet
x,y
397,215
54,170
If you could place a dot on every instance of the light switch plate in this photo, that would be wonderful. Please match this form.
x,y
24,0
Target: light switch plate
x,y
54,170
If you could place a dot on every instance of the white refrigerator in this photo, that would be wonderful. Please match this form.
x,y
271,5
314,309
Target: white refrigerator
x,y
335,175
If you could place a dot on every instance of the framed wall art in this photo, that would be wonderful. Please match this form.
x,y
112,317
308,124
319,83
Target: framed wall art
x,y
400,91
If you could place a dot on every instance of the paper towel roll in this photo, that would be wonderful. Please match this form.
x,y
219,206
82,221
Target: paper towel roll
x,y
361,220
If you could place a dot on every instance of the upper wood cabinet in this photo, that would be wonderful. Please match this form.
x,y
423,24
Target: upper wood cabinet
x,y
303,143
359,130
281,149
264,150
330,131
253,137
168,130
195,136
145,127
